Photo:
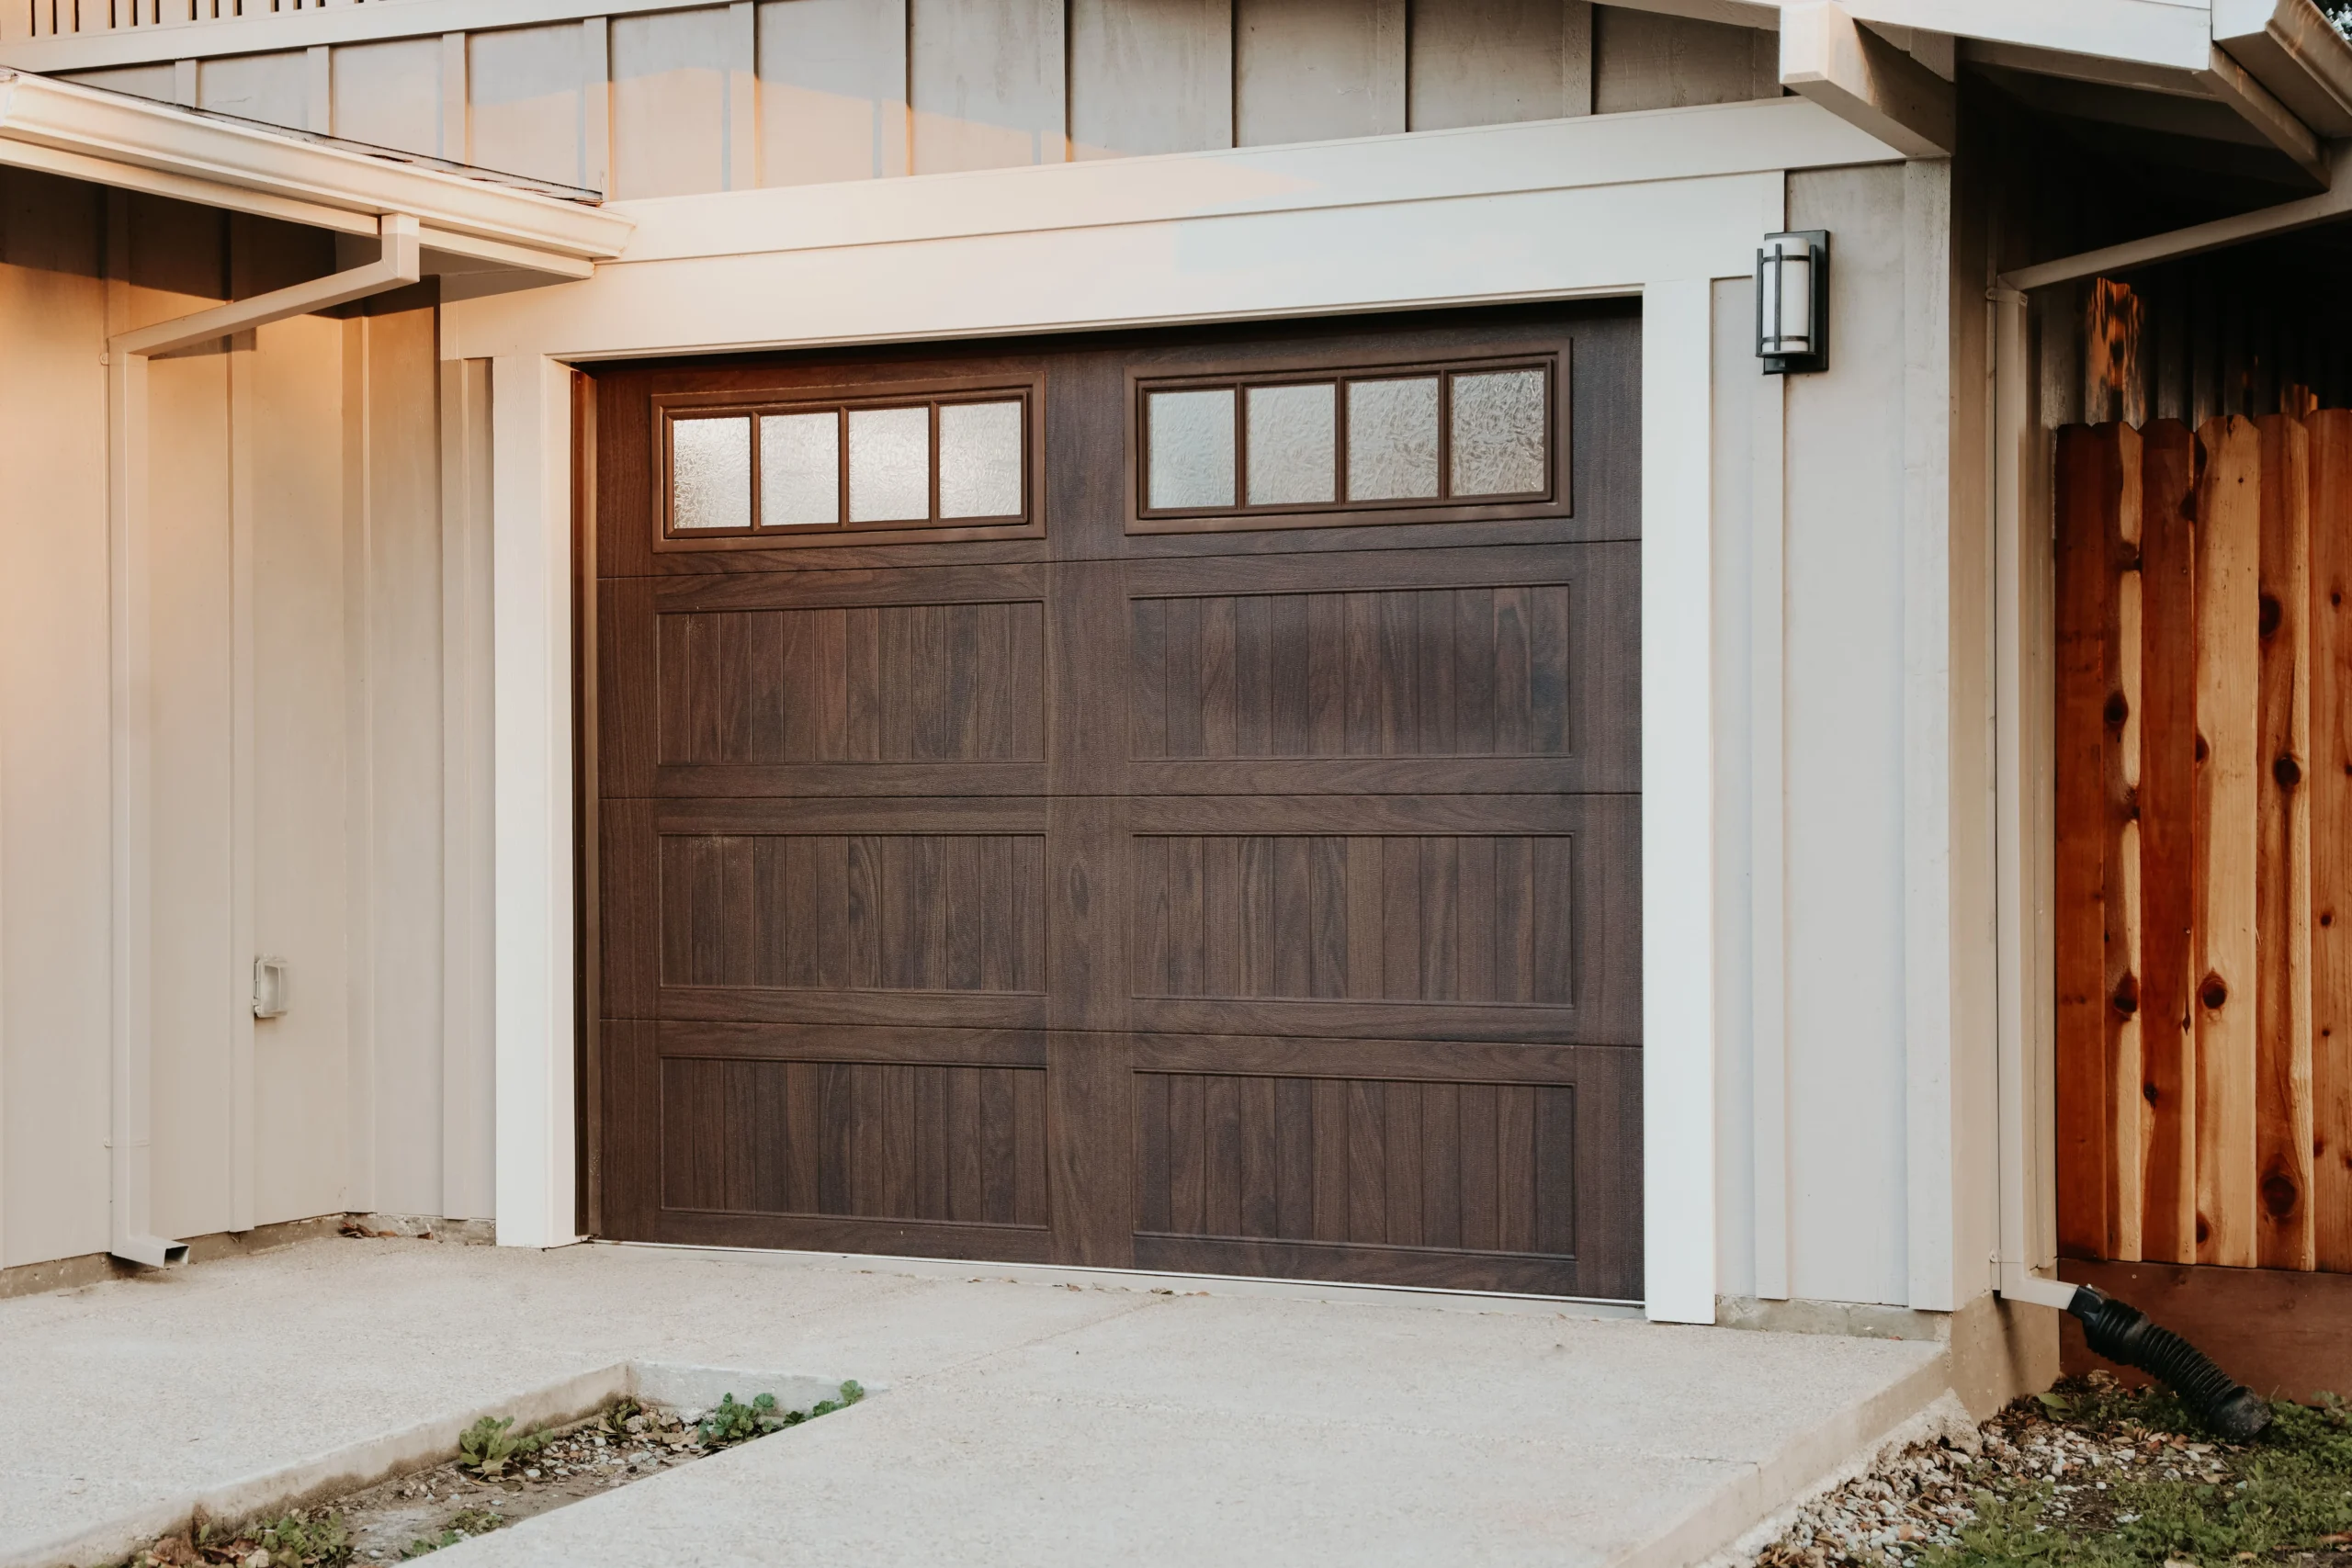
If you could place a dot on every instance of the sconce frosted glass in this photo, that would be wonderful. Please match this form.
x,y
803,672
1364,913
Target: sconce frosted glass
x,y
1792,302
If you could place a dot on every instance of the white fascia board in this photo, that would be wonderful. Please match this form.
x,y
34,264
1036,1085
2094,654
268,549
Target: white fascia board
x,y
2152,32
1496,160
116,140
1863,79
2290,48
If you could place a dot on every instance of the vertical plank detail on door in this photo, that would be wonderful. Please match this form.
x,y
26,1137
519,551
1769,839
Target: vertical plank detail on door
x,y
2165,799
2330,807
2229,538
2282,933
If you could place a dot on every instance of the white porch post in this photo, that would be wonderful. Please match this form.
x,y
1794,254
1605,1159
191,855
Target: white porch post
x,y
1677,804
531,636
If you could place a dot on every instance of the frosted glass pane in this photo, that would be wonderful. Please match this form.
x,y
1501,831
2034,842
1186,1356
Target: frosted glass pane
x,y
1499,421
1392,439
710,473
1192,448
979,459
1293,450
889,465
800,470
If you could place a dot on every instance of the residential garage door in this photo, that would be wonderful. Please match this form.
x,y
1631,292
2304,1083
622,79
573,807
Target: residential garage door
x,y
1164,802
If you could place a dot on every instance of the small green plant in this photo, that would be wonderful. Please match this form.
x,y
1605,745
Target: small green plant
x,y
464,1525
616,1418
731,1423
486,1446
299,1537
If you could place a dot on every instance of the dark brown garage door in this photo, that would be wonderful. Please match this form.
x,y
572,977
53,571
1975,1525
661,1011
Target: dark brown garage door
x,y
1163,802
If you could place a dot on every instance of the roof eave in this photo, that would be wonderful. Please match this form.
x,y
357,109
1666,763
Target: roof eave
x,y
116,140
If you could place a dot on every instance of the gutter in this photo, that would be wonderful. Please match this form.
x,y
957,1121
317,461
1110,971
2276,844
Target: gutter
x,y
131,1057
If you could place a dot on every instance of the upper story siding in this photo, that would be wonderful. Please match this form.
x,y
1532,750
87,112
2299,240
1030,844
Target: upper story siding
x,y
680,100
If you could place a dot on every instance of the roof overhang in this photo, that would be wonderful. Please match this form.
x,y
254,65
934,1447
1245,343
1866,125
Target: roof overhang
x,y
480,226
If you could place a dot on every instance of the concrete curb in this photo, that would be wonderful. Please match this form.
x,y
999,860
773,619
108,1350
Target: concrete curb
x,y
1710,1533
357,1466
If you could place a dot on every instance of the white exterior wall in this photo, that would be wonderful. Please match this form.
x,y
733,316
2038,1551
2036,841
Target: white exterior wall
x,y
1818,1064
1855,1143
296,704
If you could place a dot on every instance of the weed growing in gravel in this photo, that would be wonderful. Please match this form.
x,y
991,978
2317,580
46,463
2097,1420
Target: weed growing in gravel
x,y
485,1446
731,1423
463,1525
2093,1476
297,1539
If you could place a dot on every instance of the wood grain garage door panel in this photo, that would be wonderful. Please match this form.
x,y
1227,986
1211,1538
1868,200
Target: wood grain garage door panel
x,y
859,1140
1452,918
867,683
854,911
1416,672
1242,894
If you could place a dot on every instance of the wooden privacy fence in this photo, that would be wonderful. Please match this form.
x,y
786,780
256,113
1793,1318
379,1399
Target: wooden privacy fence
x,y
2204,842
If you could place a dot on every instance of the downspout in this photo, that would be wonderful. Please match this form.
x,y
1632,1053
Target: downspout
x,y
131,1045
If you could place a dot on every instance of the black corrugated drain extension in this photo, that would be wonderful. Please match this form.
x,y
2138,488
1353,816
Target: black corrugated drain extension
x,y
2122,1333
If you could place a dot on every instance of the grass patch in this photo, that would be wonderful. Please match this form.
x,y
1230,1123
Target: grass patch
x,y
2285,1497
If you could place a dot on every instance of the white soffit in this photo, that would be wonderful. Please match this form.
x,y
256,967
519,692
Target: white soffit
x,y
112,139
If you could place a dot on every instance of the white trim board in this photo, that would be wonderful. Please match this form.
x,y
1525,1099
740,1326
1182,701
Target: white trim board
x,y
1513,213
1767,135
1452,240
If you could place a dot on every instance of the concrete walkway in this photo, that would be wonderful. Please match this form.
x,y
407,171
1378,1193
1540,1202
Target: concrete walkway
x,y
1029,1423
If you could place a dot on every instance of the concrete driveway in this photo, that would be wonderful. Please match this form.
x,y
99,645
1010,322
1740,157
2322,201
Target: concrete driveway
x,y
1019,1420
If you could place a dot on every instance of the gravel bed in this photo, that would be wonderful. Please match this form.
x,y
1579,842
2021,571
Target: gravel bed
x,y
2092,1474
414,1514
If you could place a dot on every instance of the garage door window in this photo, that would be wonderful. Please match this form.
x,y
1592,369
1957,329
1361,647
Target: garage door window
x,y
780,471
1478,436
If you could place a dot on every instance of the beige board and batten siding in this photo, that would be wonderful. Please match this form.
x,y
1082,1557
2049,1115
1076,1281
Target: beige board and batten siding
x,y
685,101
300,734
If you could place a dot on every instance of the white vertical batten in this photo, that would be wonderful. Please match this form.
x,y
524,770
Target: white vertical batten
x,y
468,1023
1926,737
243,850
361,845
131,892
1677,804
1767,833
531,635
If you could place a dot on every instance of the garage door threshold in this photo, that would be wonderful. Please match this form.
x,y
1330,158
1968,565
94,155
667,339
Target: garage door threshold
x,y
1028,1421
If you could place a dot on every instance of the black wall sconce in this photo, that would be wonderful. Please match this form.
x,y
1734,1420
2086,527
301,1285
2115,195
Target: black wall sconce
x,y
1792,302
